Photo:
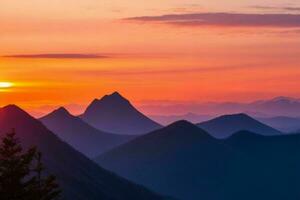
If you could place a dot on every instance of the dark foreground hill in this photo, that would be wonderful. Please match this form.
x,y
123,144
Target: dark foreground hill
x,y
282,123
180,160
225,126
184,161
83,137
115,114
80,178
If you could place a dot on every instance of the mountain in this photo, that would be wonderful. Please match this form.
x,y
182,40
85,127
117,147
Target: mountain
x,y
83,137
272,167
226,125
79,177
191,117
278,106
282,123
180,160
113,113
184,161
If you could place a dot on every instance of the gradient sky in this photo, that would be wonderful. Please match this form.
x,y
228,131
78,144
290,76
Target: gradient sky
x,y
68,52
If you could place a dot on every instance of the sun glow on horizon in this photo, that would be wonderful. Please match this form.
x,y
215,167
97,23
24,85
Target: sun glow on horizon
x,y
6,85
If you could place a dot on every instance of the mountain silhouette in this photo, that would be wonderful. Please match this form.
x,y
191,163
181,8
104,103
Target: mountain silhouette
x,y
113,113
272,167
282,123
225,126
278,106
180,160
79,177
191,117
185,162
83,137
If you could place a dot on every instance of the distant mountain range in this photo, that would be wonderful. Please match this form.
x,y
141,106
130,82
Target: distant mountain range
x,y
282,123
113,113
169,119
185,162
79,177
226,125
83,137
279,106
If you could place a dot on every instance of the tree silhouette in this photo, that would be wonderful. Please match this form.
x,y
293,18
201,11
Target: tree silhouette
x,y
45,188
21,173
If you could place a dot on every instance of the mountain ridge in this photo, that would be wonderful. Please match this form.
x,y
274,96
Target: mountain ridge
x,y
245,165
79,177
226,125
83,137
113,113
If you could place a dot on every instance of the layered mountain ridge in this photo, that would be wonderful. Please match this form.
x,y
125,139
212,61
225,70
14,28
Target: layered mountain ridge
x,y
79,177
113,113
83,137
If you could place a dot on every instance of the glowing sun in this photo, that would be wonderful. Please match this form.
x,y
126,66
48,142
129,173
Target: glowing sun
x,y
6,85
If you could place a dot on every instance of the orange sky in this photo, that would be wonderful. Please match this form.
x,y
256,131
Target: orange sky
x,y
143,60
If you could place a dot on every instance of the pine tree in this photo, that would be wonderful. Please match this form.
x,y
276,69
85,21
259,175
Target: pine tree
x,y
21,173
45,188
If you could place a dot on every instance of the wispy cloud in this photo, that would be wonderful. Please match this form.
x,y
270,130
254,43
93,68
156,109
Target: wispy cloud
x,y
225,19
57,56
277,8
184,70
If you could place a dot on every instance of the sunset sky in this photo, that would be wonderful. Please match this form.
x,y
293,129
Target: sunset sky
x,y
68,52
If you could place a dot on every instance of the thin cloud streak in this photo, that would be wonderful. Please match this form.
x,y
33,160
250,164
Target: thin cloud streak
x,y
98,72
150,72
277,8
57,56
225,19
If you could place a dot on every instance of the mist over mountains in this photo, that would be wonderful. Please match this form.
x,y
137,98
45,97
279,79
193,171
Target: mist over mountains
x,y
278,106
230,157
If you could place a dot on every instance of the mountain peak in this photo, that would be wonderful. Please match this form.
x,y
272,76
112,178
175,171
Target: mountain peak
x,y
13,110
182,125
238,116
226,125
62,110
116,96
114,113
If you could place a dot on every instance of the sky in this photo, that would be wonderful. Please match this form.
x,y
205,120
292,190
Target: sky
x,y
68,52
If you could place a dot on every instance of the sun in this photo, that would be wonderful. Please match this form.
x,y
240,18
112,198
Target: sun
x,y
6,85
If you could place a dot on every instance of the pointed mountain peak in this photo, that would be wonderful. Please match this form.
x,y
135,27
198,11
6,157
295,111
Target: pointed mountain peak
x,y
116,96
61,111
15,114
113,113
109,100
114,101
13,109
